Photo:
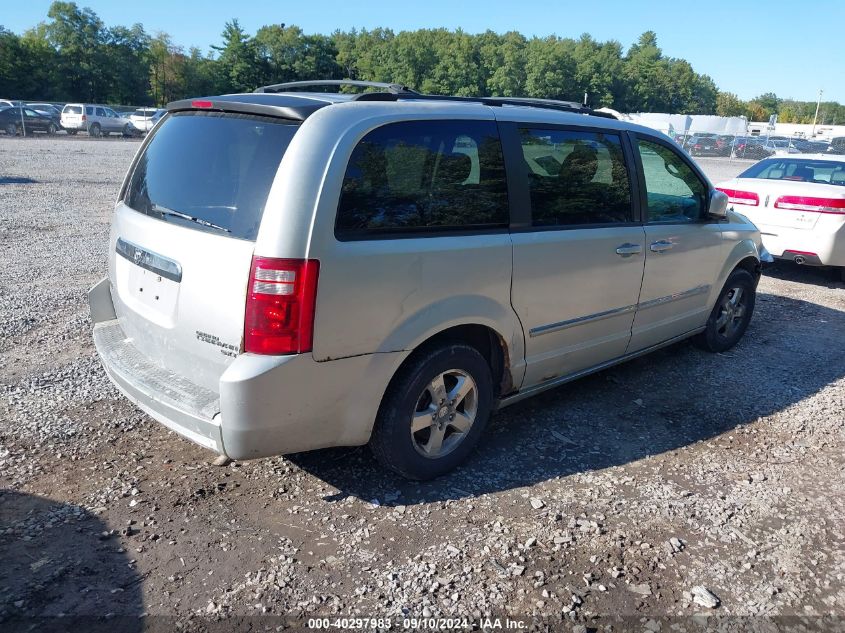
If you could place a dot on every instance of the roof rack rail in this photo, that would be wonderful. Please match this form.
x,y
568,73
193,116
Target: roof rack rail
x,y
395,92
392,89
530,102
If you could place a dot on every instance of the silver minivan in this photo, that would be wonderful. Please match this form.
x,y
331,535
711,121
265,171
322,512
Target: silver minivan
x,y
291,270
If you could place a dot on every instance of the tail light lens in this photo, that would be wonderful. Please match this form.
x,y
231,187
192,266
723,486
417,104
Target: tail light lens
x,y
735,196
816,205
280,304
84,118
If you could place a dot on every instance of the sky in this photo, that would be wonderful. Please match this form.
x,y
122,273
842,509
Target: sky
x,y
748,47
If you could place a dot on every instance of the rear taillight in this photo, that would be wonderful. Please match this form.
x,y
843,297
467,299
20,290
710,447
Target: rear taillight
x,y
816,205
736,196
84,118
280,305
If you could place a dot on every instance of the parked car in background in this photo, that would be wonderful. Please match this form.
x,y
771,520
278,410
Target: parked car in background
x,y
752,147
97,120
837,145
142,119
798,203
22,120
705,145
806,146
291,270
48,109
157,116
782,146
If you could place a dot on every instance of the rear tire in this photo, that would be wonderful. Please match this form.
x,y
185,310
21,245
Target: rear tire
x,y
51,129
731,314
434,412
95,131
72,132
11,129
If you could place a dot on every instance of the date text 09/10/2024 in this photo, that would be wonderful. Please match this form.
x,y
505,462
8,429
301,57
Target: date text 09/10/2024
x,y
433,624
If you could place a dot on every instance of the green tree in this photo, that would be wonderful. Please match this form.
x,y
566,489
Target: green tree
x,y
502,60
239,66
167,64
550,69
728,104
78,37
290,55
125,52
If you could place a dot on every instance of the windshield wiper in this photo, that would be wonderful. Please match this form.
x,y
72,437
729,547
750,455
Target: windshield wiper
x,y
185,216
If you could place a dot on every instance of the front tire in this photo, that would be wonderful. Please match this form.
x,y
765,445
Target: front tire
x,y
11,129
434,412
731,314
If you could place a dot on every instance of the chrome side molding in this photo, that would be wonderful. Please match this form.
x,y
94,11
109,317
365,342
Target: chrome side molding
x,y
562,325
598,316
692,292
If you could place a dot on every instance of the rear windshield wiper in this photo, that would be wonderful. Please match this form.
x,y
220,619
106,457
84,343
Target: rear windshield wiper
x,y
178,214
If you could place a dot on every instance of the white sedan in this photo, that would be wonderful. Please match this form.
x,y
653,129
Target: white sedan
x,y
798,203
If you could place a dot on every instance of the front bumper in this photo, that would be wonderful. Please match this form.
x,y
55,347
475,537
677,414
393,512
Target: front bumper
x,y
265,405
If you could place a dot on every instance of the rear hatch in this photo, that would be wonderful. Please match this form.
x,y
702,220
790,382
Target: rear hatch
x,y
72,116
183,237
774,205
141,119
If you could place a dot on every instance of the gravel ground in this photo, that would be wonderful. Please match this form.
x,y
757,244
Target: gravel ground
x,y
678,484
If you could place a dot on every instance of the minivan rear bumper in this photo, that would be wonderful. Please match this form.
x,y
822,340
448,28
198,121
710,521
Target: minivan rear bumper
x,y
188,409
266,405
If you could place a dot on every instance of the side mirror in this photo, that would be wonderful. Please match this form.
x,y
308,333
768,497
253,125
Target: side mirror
x,y
718,206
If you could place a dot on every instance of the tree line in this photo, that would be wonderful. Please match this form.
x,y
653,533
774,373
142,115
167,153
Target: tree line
x,y
73,55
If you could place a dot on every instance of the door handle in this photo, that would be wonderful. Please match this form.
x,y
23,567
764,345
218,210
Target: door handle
x,y
660,246
628,249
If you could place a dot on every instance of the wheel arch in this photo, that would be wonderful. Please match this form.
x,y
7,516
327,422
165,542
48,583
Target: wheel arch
x,y
745,255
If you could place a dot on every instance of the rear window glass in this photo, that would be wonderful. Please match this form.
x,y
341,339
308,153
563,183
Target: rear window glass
x,y
424,176
826,172
73,109
210,171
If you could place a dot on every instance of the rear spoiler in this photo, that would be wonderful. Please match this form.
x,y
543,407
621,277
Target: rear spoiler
x,y
283,106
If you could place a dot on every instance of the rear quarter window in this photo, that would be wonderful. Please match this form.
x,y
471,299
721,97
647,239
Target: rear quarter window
x,y
210,171
421,177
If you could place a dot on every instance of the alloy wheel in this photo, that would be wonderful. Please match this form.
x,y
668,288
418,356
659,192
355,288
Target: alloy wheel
x,y
445,413
731,312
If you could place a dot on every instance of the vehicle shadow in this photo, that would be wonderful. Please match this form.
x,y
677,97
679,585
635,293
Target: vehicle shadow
x,y
62,569
669,399
818,275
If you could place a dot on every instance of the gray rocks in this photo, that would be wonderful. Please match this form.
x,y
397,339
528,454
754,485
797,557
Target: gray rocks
x,y
704,597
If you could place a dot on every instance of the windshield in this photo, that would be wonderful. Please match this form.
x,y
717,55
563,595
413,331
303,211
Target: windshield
x,y
210,171
826,172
